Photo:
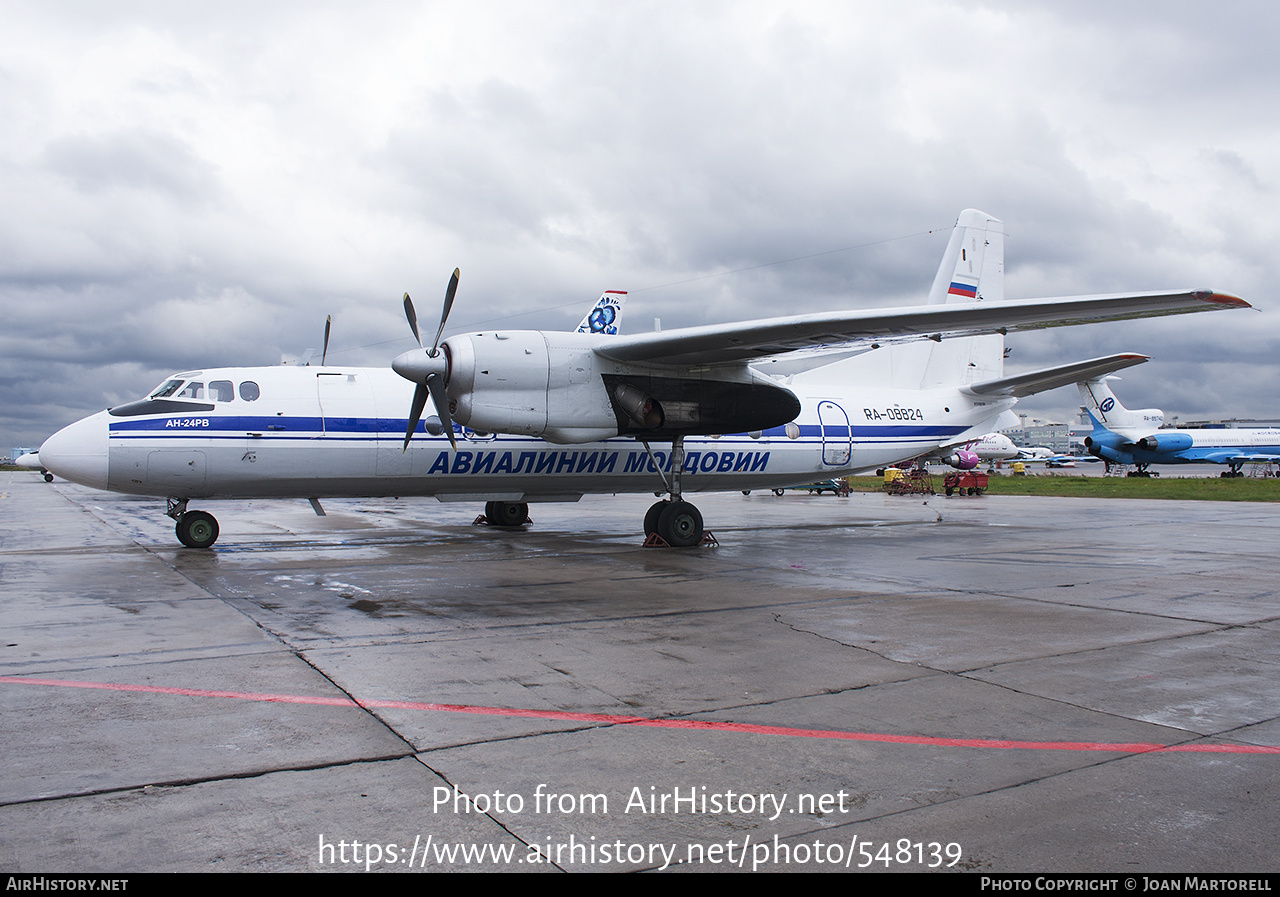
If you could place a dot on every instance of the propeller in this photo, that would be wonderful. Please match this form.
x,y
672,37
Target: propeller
x,y
328,322
429,370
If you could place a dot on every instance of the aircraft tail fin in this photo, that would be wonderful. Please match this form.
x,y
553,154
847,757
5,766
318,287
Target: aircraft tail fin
x,y
606,315
1106,411
972,270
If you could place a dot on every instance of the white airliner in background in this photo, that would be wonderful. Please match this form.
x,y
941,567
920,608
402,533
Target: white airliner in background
x,y
581,412
990,448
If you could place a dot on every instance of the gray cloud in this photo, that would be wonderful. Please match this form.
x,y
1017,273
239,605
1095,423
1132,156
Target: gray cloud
x,y
190,186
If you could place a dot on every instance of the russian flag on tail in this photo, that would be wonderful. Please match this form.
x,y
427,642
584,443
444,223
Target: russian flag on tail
x,y
969,291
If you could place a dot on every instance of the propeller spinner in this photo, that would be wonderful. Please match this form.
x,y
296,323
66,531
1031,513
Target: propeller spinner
x,y
428,369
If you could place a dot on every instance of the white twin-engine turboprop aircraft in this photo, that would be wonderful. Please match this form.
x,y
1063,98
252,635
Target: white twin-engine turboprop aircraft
x,y
580,412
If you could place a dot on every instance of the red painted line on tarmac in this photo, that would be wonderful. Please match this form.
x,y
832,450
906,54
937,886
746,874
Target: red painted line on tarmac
x,y
1138,747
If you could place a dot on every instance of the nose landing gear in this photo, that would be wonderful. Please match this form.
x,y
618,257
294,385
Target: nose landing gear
x,y
195,529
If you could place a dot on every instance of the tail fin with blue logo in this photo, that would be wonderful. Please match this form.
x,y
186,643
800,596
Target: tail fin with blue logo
x,y
1107,412
606,315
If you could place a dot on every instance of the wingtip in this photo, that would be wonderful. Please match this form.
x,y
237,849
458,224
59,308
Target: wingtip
x,y
1222,299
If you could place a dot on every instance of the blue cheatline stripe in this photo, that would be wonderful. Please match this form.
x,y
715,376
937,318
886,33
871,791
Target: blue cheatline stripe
x,y
345,427
359,431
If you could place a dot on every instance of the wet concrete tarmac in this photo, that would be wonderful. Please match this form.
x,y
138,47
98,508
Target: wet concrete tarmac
x,y
970,683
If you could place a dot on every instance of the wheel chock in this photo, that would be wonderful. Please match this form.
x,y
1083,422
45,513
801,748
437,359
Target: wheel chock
x,y
653,540
482,520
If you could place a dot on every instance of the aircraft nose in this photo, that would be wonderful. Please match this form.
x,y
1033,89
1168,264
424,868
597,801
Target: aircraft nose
x,y
79,452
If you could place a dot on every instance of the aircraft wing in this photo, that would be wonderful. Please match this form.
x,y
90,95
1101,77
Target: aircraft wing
x,y
1243,457
1033,382
725,343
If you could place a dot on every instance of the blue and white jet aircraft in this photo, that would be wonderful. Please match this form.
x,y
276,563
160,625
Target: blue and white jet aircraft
x,y
532,416
1121,436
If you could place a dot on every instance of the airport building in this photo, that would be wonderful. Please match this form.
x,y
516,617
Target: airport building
x,y
17,452
1037,433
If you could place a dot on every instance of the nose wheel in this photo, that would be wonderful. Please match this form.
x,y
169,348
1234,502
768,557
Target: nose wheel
x,y
195,529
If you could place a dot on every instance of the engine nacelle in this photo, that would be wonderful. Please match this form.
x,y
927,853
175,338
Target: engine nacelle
x,y
1107,452
556,386
962,459
515,382
1166,442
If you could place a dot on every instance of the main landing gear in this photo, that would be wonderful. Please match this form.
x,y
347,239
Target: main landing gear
x,y
196,529
677,523
505,513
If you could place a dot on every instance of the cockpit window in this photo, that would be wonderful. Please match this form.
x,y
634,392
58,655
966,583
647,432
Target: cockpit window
x,y
222,391
167,388
193,390
249,391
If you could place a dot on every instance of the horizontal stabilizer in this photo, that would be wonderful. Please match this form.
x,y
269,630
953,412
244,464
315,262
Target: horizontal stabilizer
x,y
1034,382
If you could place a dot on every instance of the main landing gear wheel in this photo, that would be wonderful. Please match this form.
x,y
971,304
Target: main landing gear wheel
x,y
674,521
197,529
651,517
506,513
680,525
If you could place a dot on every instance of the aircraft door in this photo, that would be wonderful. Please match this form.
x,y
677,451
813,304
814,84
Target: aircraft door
x,y
348,427
837,437
346,405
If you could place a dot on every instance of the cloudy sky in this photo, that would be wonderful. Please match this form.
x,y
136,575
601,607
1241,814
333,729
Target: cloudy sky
x,y
189,185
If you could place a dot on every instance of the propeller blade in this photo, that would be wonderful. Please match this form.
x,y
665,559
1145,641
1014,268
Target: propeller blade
x,y
413,318
415,414
441,400
328,322
429,372
444,315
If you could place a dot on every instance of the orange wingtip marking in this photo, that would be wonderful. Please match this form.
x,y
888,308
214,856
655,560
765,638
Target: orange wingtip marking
x,y
1223,299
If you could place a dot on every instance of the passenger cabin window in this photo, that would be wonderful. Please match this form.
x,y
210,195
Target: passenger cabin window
x,y
193,390
249,391
222,391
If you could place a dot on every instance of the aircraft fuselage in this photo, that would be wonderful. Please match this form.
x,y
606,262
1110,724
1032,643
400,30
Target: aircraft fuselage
x,y
330,431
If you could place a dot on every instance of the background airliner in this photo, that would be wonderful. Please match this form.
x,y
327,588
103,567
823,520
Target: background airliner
x,y
1121,436
581,412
